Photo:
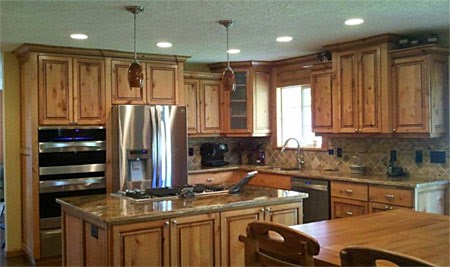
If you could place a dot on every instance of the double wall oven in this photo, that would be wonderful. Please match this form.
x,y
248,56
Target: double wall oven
x,y
71,163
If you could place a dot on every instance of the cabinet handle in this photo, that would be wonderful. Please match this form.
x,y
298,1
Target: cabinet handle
x,y
394,130
388,207
210,179
262,210
390,196
166,223
174,222
356,130
348,191
349,213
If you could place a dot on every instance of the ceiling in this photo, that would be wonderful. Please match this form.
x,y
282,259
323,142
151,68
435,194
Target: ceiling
x,y
192,27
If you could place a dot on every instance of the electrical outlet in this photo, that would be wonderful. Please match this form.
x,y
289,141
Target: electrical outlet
x,y
94,231
191,151
419,156
339,152
331,152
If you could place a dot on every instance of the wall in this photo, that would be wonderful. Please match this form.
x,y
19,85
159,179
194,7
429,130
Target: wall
x,y
11,117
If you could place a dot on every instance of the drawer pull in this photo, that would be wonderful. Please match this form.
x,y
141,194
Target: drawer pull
x,y
349,213
388,207
390,196
210,179
348,191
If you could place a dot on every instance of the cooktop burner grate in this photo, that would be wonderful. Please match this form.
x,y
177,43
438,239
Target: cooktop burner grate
x,y
164,192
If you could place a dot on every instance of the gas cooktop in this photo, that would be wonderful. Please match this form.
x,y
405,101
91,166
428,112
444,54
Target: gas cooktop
x,y
155,194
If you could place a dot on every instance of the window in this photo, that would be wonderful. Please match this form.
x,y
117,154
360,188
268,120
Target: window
x,y
294,118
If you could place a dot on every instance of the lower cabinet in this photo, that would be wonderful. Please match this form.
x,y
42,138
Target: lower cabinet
x,y
352,199
234,224
210,239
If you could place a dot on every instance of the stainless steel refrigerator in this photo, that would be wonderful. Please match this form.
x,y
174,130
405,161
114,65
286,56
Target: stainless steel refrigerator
x,y
149,146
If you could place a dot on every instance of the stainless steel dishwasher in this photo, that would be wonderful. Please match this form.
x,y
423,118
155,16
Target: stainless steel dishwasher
x,y
317,206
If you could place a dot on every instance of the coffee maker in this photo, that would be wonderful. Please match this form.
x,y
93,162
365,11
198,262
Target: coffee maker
x,y
212,154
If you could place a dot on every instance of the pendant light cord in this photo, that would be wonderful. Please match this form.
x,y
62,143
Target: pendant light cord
x,y
228,54
135,53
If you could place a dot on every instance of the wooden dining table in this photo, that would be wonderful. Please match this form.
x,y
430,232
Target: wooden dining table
x,y
419,234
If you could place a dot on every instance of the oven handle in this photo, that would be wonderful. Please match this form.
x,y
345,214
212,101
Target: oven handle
x,y
50,147
68,169
65,185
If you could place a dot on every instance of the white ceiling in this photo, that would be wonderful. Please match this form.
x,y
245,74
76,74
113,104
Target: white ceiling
x,y
191,25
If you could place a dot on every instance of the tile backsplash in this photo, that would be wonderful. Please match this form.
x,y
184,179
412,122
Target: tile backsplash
x,y
373,153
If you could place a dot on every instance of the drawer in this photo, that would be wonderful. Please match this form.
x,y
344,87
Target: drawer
x,y
376,207
349,190
227,177
391,195
272,180
341,208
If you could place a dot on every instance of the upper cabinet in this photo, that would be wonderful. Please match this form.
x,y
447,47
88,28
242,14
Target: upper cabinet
x,y
322,93
246,110
420,89
71,90
361,87
202,99
160,83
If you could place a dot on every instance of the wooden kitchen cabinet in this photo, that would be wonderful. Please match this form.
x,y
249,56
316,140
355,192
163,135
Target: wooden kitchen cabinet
x,y
71,91
195,240
420,90
234,224
272,180
203,102
348,199
361,96
160,84
211,178
246,110
322,98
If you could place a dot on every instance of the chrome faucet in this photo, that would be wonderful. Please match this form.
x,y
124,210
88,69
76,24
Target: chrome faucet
x,y
300,160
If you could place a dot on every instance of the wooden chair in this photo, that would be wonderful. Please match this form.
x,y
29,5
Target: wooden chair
x,y
366,256
273,244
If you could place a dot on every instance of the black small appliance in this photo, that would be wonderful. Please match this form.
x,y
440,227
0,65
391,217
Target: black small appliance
x,y
212,154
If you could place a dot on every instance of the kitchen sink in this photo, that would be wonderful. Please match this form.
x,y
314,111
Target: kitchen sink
x,y
280,168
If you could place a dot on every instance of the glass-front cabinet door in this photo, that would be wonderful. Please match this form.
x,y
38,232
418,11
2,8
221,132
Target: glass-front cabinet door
x,y
237,105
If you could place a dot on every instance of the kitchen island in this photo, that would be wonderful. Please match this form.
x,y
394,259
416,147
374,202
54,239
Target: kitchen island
x,y
108,230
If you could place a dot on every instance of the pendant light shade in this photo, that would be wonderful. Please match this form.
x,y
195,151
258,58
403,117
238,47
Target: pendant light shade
x,y
135,72
228,78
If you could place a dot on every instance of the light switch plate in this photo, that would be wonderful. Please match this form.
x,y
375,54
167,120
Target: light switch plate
x,y
437,156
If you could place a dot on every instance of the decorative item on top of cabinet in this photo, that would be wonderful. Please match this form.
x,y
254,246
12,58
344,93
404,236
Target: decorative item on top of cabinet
x,y
160,83
246,110
65,99
420,91
322,98
202,99
361,98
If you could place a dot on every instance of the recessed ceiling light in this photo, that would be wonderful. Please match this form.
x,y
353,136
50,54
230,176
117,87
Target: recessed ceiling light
x,y
164,44
233,51
352,22
78,36
283,39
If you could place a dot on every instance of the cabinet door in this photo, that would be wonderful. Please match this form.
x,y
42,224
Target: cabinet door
x,y
272,180
237,105
346,90
89,91
210,106
142,244
369,91
260,122
410,95
121,93
162,83
192,105
233,224
287,214
55,90
195,240
341,208
322,101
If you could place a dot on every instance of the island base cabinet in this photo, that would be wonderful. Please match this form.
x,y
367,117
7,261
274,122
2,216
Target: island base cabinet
x,y
142,244
86,242
234,223
195,240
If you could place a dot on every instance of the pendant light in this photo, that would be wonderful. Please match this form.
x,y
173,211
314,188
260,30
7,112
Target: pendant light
x,y
135,73
228,78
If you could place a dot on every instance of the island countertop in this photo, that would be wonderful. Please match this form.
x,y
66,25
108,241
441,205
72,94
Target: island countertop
x,y
115,210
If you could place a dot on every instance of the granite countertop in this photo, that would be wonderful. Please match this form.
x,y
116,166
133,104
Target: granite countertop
x,y
115,210
377,179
